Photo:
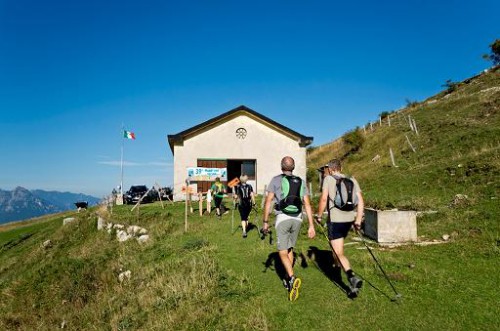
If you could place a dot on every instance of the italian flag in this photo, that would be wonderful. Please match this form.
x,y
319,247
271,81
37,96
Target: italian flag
x,y
128,135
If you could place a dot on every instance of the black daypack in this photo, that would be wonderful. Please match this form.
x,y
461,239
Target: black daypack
x,y
346,198
291,195
244,193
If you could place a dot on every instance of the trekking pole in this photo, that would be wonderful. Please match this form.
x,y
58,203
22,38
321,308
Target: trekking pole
x,y
232,218
398,296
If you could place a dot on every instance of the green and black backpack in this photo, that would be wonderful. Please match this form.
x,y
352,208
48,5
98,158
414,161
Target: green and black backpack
x,y
292,192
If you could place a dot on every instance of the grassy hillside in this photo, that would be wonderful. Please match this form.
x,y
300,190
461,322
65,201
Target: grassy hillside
x,y
457,149
212,279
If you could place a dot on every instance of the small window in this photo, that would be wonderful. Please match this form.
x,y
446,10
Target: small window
x,y
248,168
241,133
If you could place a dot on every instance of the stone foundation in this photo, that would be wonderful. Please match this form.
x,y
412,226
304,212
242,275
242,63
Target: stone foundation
x,y
391,226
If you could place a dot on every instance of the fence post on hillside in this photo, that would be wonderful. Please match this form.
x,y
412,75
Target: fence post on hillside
x,y
392,157
389,120
380,120
415,126
409,142
410,122
371,126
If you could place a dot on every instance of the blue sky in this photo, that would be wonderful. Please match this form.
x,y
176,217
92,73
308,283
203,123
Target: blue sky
x,y
71,72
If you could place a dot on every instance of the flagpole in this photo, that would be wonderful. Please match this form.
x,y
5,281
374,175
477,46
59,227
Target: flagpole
x,y
121,162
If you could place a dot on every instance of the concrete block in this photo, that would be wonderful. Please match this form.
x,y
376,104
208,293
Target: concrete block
x,y
391,226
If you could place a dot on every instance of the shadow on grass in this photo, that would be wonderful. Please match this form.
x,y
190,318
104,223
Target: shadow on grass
x,y
323,259
273,263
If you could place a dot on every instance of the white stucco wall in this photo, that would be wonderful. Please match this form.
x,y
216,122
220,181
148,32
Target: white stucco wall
x,y
262,143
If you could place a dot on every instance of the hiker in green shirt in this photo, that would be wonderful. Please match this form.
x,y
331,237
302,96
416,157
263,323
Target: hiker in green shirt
x,y
286,195
218,190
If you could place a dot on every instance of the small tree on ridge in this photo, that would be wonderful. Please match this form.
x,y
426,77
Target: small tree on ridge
x,y
495,53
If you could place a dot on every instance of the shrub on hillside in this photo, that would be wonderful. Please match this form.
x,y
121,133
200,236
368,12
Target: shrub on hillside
x,y
411,103
384,114
450,85
353,140
311,175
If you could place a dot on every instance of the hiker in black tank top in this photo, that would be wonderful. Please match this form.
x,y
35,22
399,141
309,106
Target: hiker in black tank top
x,y
245,200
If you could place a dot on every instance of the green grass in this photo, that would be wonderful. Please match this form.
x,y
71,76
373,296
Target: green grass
x,y
209,278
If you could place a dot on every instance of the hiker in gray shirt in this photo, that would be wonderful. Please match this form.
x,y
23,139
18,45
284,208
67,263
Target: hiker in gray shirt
x,y
345,210
287,193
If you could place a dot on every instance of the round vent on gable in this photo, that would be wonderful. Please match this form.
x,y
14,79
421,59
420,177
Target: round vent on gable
x,y
241,133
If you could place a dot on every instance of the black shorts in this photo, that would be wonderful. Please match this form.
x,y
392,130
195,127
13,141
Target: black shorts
x,y
338,230
244,210
218,201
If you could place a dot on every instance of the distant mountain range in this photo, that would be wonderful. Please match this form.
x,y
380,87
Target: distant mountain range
x,y
20,203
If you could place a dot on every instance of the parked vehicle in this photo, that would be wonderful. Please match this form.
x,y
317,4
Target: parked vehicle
x,y
136,192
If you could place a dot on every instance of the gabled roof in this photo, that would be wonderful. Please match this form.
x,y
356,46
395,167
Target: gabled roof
x,y
178,138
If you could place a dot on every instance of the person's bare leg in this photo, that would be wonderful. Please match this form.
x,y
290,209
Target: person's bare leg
x,y
338,247
287,263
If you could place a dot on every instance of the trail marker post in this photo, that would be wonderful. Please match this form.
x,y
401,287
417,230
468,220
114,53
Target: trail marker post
x,y
392,157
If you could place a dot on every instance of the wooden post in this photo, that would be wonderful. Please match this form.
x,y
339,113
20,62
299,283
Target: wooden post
x,y
140,200
200,203
380,120
186,212
190,203
409,142
389,120
392,158
158,189
410,122
415,126
371,126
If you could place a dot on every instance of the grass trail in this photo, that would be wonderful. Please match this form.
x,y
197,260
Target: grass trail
x,y
441,284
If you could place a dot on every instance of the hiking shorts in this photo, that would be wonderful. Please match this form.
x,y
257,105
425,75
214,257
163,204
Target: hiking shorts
x,y
244,209
338,230
217,201
287,231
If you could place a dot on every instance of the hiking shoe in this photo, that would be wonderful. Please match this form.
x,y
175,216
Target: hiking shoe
x,y
355,282
244,234
293,288
352,293
285,284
